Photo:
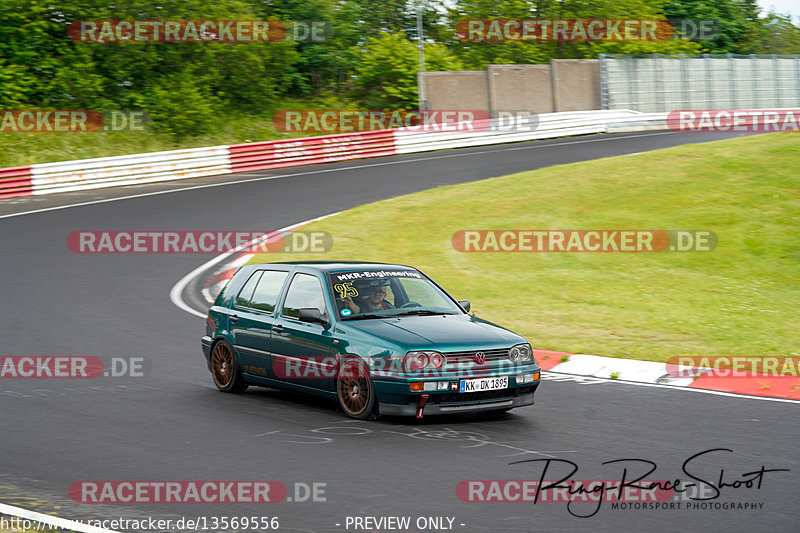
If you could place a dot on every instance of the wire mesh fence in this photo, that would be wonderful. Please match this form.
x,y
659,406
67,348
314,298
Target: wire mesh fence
x,y
659,83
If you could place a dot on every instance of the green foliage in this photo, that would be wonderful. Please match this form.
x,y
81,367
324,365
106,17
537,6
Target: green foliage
x,y
369,58
477,55
184,86
777,35
182,107
736,19
387,73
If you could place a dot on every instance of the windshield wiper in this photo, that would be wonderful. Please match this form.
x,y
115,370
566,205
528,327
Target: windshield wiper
x,y
423,312
365,315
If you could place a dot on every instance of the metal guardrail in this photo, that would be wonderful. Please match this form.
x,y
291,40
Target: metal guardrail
x,y
15,181
308,151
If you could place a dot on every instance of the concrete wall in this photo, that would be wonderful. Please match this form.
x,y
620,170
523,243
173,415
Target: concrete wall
x,y
576,84
563,85
520,88
456,90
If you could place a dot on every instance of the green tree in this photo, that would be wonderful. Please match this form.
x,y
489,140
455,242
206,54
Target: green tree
x,y
736,22
51,70
777,35
477,55
387,73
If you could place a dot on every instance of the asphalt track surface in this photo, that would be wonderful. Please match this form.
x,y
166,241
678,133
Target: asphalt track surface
x,y
172,424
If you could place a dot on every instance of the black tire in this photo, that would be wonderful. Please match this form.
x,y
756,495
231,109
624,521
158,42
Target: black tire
x,y
225,369
354,389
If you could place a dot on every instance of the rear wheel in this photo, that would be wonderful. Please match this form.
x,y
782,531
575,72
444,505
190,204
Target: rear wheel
x,y
354,390
225,369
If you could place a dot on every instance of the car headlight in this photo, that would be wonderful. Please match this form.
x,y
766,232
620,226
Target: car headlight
x,y
436,360
416,361
521,353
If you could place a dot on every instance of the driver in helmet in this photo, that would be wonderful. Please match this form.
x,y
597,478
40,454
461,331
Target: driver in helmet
x,y
373,299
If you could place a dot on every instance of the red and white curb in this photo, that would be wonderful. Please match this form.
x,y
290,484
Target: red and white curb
x,y
235,258
214,285
761,386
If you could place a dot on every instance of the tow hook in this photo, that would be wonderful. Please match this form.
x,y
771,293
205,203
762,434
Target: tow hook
x,y
422,401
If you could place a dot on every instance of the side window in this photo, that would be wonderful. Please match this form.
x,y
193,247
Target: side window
x,y
269,288
243,300
305,291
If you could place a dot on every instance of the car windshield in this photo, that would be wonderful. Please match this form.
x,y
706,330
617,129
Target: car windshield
x,y
365,294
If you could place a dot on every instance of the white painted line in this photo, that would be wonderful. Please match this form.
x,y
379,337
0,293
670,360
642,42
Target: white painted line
x,y
354,167
61,523
175,294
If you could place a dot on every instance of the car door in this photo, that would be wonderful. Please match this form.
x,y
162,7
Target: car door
x,y
252,318
303,351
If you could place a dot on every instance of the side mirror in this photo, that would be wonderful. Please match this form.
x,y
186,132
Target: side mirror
x,y
313,315
464,304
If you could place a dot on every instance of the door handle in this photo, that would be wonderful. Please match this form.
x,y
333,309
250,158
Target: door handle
x,y
277,328
234,318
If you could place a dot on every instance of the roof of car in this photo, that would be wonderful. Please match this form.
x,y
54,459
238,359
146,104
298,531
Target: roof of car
x,y
342,266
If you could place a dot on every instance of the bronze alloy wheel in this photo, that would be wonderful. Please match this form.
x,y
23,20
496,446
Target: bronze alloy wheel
x,y
354,390
225,369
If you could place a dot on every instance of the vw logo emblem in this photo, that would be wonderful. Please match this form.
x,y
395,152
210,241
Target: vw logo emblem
x,y
480,358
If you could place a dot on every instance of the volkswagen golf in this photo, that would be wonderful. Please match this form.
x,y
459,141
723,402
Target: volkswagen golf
x,y
380,339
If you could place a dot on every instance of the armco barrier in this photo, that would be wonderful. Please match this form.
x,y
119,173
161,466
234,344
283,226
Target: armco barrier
x,y
411,140
15,181
129,169
322,149
48,178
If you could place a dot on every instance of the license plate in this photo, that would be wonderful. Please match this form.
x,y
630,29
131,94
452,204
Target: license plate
x,y
482,384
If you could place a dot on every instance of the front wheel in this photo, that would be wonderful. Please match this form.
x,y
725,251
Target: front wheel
x,y
225,369
354,390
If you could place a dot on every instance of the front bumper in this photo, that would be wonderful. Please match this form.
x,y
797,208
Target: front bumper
x,y
396,398
207,342
394,409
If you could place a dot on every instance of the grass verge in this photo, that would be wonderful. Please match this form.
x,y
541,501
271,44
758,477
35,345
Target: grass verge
x,y
740,299
19,149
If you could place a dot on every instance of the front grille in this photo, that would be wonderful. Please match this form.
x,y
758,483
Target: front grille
x,y
466,358
474,396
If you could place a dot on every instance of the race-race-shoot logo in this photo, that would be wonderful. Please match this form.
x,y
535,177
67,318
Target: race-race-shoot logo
x,y
704,477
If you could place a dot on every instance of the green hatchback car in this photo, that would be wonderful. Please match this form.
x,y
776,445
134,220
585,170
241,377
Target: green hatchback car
x,y
379,338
